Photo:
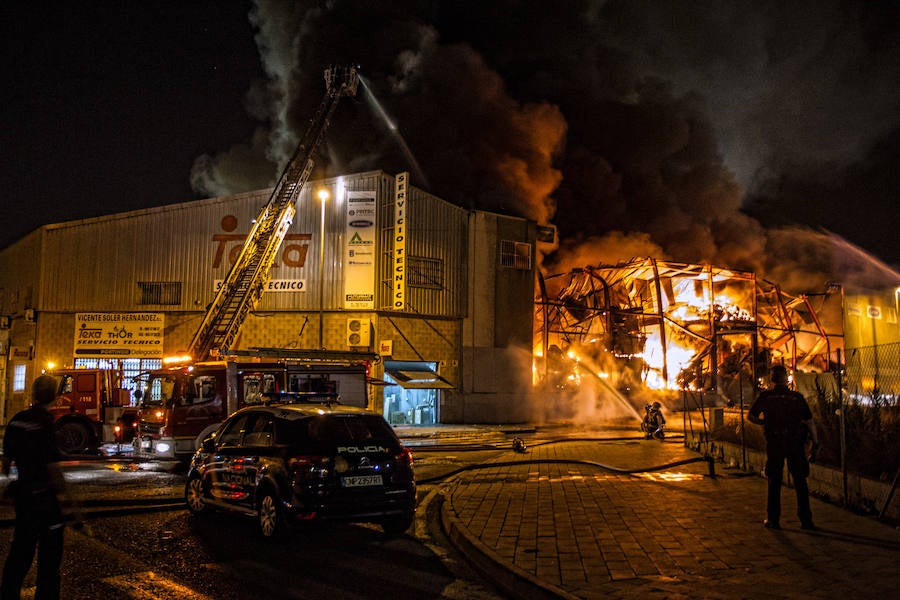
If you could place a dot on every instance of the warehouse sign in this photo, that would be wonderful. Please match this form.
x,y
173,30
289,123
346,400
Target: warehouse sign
x,y
293,251
123,335
273,285
398,293
359,251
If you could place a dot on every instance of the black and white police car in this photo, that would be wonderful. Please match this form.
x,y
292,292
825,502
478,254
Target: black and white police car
x,y
286,464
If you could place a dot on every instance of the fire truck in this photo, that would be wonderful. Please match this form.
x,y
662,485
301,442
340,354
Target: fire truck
x,y
92,409
180,403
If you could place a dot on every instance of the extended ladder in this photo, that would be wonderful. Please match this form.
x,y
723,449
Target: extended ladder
x,y
244,284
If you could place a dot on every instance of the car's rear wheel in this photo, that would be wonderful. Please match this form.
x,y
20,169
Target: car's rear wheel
x,y
271,516
193,496
397,525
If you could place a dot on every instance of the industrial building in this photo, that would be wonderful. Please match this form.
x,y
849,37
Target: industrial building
x,y
436,298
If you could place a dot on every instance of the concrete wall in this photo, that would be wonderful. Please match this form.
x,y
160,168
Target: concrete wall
x,y
495,358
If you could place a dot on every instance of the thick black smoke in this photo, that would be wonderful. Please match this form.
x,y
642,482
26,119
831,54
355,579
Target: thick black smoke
x,y
476,144
694,131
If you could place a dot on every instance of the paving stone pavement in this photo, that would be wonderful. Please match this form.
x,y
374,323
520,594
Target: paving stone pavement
x,y
571,530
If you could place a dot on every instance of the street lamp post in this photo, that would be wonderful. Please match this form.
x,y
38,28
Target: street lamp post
x,y
323,196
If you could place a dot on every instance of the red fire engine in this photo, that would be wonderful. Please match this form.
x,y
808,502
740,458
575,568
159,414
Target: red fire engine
x,y
179,404
91,409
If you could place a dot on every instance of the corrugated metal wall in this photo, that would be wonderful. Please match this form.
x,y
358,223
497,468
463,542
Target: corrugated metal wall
x,y
20,275
95,265
436,230
308,211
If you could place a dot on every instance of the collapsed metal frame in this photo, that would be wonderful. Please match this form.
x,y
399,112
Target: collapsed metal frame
x,y
618,304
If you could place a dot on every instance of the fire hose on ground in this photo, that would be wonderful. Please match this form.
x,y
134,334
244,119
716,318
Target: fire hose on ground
x,y
96,509
563,461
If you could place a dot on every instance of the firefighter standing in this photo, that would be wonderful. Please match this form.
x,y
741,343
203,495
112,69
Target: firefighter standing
x,y
30,443
788,424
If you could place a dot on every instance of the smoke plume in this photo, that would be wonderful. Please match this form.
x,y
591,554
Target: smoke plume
x,y
685,131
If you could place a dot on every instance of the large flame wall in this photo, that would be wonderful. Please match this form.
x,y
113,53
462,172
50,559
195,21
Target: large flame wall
x,y
673,325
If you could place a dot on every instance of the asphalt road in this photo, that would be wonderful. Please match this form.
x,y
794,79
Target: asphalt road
x,y
139,542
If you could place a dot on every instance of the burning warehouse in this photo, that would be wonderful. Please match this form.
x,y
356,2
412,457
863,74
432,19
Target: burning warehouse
x,y
669,325
456,348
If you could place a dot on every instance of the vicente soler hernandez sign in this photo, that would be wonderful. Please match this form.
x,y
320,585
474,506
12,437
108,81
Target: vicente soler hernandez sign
x,y
123,335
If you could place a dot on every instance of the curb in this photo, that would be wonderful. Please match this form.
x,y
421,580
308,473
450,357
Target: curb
x,y
508,577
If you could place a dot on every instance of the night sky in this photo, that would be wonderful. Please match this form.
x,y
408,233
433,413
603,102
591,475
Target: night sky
x,y
754,135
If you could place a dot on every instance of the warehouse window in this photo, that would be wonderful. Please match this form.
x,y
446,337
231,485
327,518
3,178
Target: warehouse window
x,y
19,377
160,292
515,255
425,272
130,368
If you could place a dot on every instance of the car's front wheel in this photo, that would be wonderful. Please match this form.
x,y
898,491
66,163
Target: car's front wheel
x,y
193,496
271,516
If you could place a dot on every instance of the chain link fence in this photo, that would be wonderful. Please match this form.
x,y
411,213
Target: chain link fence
x,y
868,410
856,408
872,374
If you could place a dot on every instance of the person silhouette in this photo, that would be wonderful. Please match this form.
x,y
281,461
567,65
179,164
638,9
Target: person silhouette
x,y
787,423
30,443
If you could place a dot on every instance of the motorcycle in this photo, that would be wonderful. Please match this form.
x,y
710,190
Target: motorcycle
x,y
654,423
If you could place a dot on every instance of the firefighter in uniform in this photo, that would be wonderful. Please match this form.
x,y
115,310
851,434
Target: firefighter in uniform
x,y
30,443
788,425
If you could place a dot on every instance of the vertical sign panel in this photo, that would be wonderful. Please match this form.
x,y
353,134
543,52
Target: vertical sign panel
x,y
399,266
359,251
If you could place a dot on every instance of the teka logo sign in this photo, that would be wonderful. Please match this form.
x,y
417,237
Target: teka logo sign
x,y
293,248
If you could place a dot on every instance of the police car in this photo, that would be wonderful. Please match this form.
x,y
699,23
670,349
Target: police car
x,y
290,463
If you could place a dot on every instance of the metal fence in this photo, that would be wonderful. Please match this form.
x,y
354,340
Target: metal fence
x,y
872,373
856,408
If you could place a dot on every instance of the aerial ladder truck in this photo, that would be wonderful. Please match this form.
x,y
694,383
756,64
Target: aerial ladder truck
x,y
247,278
181,403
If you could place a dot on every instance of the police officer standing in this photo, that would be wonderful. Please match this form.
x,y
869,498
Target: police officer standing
x,y
31,444
788,423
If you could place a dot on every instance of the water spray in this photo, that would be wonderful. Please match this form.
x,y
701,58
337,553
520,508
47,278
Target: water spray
x,y
591,368
379,110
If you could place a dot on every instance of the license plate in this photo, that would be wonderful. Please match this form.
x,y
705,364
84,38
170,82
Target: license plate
x,y
361,480
145,444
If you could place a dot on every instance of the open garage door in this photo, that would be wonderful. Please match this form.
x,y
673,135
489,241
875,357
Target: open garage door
x,y
411,393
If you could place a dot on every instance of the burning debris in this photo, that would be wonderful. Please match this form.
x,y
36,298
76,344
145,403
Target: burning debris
x,y
669,325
